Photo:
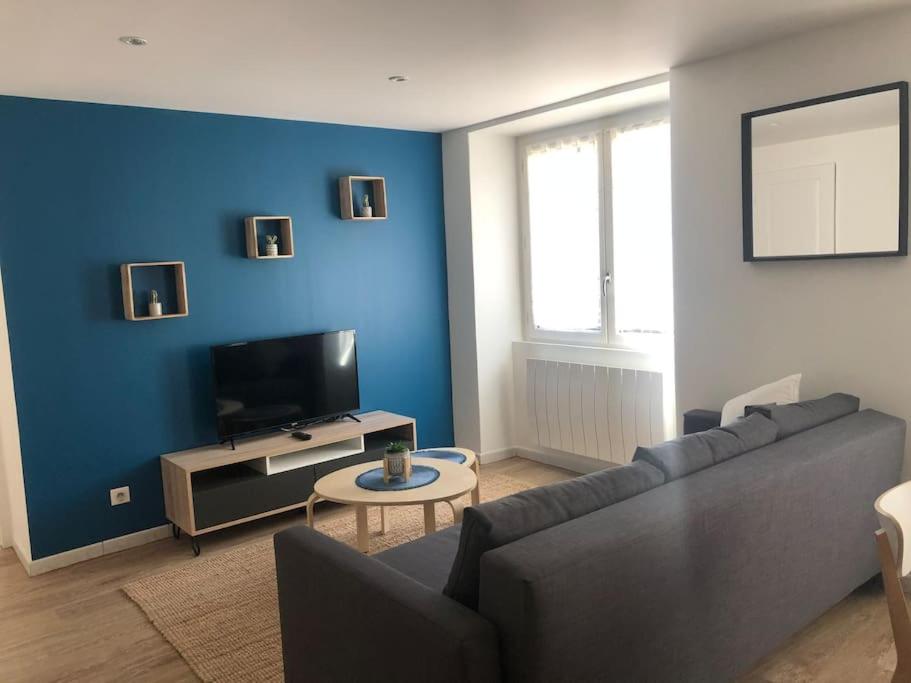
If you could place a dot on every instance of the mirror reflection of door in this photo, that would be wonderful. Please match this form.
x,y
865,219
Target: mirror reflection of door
x,y
793,209
826,178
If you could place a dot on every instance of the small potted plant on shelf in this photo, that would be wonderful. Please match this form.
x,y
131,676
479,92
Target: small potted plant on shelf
x,y
154,305
271,245
366,209
397,461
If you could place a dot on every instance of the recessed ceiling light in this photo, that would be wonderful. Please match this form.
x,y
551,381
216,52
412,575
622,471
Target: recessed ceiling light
x,y
398,79
133,41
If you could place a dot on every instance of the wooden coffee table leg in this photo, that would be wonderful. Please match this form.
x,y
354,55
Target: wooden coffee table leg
x,y
363,534
310,501
458,507
383,519
476,491
430,518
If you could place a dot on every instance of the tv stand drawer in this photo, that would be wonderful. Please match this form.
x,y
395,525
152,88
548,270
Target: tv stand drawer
x,y
237,491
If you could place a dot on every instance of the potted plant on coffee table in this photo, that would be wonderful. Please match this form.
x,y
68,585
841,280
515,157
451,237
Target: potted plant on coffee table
x,y
397,461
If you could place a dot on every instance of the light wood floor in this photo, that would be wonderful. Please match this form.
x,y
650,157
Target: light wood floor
x,y
74,624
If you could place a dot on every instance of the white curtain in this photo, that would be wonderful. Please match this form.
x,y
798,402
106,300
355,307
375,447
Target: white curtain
x,y
564,232
641,218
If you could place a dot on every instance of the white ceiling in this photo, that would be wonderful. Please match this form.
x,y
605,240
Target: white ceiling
x,y
468,60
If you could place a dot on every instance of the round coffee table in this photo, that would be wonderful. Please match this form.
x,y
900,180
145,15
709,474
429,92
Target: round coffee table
x,y
455,481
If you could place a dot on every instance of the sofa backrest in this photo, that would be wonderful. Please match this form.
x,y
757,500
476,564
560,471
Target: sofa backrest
x,y
498,522
697,579
793,418
682,456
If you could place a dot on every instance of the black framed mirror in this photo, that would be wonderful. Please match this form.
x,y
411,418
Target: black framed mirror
x,y
827,177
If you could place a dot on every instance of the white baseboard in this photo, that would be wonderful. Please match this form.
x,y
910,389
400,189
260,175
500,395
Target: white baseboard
x,y
497,455
568,461
90,552
156,533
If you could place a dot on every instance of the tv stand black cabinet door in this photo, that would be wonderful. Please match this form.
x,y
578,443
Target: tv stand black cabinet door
x,y
221,496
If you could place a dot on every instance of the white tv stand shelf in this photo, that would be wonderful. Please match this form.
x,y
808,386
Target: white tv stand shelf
x,y
215,487
276,464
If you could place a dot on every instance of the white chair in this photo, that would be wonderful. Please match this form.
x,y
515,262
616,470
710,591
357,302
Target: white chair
x,y
893,543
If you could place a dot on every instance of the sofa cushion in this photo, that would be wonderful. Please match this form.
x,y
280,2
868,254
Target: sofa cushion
x,y
496,523
687,454
427,560
742,435
678,457
799,417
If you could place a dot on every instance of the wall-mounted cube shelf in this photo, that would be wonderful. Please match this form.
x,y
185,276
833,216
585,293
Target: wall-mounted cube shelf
x,y
178,308
254,224
347,199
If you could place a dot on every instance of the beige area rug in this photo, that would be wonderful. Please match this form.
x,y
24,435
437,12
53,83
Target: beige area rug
x,y
221,612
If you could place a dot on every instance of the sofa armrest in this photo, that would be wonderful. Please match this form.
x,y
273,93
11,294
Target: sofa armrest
x,y
699,420
349,617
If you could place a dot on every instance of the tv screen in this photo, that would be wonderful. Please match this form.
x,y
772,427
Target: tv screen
x,y
264,385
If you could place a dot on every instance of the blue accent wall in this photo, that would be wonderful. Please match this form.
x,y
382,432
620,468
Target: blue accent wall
x,y
86,187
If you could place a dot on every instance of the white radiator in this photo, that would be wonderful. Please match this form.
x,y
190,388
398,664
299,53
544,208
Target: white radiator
x,y
592,410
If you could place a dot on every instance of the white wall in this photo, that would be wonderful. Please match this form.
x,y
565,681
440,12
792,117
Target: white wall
x,y
460,274
482,258
498,294
12,487
6,522
844,324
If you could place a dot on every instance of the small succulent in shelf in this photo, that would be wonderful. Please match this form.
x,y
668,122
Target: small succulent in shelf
x,y
366,209
271,245
154,304
397,461
271,239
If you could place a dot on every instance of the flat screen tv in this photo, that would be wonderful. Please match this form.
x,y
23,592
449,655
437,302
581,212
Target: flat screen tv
x,y
275,383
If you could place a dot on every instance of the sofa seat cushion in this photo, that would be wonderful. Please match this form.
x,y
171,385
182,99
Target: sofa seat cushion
x,y
427,560
680,457
803,415
508,519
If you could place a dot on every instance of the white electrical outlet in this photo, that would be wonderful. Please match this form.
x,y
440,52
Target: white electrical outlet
x,y
120,496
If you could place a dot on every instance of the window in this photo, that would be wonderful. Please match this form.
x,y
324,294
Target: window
x,y
597,236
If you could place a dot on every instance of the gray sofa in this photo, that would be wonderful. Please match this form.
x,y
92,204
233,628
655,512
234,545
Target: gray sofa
x,y
690,564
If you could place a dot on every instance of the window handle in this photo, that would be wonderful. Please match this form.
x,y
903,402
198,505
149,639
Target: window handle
x,y
604,283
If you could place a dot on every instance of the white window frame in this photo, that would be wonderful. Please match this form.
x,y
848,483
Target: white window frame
x,y
607,337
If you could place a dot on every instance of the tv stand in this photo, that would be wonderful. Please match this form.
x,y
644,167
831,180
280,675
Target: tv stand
x,y
219,486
